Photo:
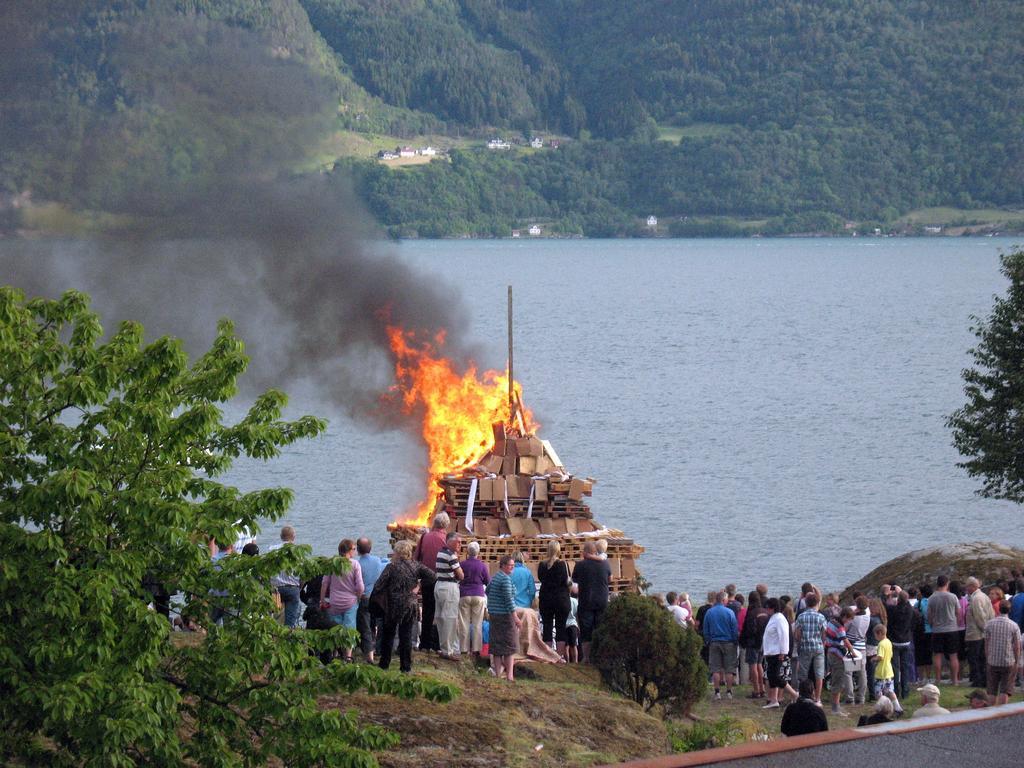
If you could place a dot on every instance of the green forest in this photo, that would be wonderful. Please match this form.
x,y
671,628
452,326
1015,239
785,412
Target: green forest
x,y
799,115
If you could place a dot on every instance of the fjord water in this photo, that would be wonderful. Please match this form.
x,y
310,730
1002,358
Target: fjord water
x,y
754,410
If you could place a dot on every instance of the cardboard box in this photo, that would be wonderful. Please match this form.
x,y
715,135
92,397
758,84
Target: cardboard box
x,y
576,489
529,446
500,441
528,465
571,525
547,525
558,525
544,465
550,453
540,490
515,525
530,527
498,489
508,465
628,568
491,463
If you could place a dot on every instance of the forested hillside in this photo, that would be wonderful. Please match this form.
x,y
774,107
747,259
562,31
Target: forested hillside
x,y
776,110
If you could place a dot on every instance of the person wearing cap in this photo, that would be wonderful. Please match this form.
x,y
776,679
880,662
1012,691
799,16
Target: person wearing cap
x,y
929,702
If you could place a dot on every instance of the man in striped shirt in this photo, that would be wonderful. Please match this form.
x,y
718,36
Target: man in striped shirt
x,y
1002,652
446,596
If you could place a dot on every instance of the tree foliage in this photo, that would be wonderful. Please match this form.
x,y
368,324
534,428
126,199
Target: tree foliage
x,y
109,457
989,428
644,654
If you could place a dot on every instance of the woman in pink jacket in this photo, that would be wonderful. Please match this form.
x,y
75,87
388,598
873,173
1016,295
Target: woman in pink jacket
x,y
339,594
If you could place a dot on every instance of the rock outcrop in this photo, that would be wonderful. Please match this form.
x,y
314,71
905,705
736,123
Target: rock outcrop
x,y
984,559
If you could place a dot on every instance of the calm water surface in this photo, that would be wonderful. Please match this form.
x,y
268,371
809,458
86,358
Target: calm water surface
x,y
754,409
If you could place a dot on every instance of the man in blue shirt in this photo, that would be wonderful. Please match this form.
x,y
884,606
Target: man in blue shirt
x,y
1017,604
369,627
721,632
524,583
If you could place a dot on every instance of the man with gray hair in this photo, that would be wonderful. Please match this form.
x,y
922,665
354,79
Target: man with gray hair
x,y
446,596
979,613
426,553
287,584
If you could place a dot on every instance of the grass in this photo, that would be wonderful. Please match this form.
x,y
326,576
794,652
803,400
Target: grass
x,y
942,216
553,715
676,133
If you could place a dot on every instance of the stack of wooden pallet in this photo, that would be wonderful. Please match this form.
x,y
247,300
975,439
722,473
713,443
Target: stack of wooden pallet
x,y
517,498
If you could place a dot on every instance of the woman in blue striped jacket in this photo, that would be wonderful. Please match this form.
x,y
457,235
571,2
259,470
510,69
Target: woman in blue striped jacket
x,y
501,607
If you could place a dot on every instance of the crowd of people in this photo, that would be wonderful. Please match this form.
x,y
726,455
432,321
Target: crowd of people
x,y
872,650
438,596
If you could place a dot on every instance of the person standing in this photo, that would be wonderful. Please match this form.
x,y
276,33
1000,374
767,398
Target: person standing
x,y
401,581
446,596
900,630
425,553
368,626
522,579
837,645
287,585
1003,654
505,622
721,634
593,578
884,679
340,593
472,600
555,580
810,625
775,649
979,613
943,611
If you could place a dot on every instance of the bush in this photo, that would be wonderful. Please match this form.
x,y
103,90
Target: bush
x,y
644,654
723,732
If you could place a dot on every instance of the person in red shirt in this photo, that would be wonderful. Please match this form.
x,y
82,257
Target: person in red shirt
x,y
426,553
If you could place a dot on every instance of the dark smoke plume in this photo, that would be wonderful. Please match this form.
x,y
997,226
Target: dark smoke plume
x,y
294,261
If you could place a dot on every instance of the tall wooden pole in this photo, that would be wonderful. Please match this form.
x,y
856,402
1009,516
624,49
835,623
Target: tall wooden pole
x,y
511,384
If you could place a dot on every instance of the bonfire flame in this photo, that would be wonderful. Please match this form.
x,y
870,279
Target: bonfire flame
x,y
457,410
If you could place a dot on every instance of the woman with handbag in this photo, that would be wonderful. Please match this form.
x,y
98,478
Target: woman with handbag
x,y
555,583
400,583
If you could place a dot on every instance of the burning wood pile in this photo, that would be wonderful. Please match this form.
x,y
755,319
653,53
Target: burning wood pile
x,y
500,484
518,497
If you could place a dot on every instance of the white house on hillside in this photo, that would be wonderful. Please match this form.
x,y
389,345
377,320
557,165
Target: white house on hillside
x,y
498,144
534,230
427,151
652,222
536,142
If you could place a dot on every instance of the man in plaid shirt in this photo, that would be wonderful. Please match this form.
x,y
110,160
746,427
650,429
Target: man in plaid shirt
x,y
809,627
1002,652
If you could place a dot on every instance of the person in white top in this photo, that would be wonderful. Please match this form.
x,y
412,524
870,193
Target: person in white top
x,y
679,613
775,648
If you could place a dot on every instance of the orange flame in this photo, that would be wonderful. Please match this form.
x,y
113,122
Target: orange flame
x,y
457,410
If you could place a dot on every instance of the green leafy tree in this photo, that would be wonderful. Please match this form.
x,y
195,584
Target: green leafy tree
x,y
989,428
644,654
109,454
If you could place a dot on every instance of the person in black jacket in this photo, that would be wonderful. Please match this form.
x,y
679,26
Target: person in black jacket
x,y
901,632
803,715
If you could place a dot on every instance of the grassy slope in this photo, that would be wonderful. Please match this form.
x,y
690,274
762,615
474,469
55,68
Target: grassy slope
x,y
552,716
561,709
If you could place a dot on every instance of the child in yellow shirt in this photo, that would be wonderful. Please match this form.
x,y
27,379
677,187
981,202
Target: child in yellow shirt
x,y
884,675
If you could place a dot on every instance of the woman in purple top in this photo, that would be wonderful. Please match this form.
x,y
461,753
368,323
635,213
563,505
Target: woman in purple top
x,y
339,594
472,600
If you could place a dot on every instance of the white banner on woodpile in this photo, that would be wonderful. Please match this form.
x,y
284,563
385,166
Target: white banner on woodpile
x,y
469,505
529,509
